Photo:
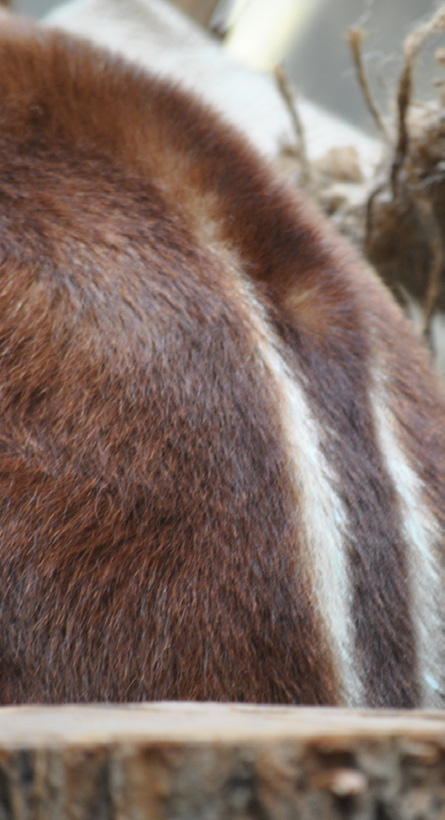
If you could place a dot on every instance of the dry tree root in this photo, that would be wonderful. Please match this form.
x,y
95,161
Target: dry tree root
x,y
329,179
397,218
404,232
355,38
288,96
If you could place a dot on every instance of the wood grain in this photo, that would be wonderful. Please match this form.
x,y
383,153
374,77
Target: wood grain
x,y
206,761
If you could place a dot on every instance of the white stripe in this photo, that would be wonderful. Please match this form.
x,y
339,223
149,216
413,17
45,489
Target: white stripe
x,y
322,514
421,534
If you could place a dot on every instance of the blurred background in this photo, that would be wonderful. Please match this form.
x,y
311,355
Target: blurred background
x,y
308,37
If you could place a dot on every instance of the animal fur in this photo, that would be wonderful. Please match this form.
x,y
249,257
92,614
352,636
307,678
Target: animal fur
x,y
222,450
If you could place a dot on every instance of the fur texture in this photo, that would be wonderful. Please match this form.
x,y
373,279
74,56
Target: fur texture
x,y
221,448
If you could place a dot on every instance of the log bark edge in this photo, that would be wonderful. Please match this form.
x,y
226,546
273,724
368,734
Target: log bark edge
x,y
212,762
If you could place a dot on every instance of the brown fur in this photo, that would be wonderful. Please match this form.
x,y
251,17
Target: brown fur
x,y
150,526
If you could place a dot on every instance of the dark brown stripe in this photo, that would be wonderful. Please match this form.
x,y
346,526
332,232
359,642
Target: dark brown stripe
x,y
337,382
378,556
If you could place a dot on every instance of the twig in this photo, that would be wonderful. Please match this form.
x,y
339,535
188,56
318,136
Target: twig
x,y
413,44
289,99
355,38
434,277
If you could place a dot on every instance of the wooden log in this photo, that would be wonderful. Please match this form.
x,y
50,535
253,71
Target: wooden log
x,y
188,761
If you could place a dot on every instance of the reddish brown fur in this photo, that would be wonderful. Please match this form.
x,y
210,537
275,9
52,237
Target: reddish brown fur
x,y
150,542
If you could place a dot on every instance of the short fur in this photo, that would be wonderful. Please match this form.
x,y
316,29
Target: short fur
x,y
222,450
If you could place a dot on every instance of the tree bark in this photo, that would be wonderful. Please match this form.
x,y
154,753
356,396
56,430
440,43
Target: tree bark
x,y
219,762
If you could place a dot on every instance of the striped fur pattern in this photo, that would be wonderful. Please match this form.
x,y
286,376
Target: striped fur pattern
x,y
222,450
